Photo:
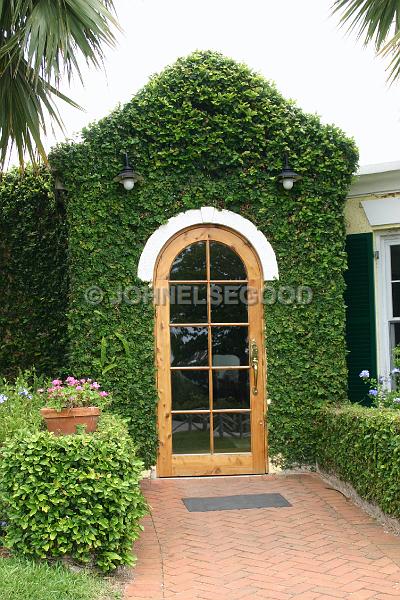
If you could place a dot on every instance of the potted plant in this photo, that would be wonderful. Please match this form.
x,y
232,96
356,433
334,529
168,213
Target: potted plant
x,y
73,402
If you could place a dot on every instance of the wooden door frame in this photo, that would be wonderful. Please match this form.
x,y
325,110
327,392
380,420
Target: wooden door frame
x,y
224,463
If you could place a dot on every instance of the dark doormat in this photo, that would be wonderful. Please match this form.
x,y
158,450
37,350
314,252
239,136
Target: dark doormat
x,y
235,502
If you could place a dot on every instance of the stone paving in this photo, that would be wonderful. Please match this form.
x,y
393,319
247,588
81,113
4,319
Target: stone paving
x,y
321,547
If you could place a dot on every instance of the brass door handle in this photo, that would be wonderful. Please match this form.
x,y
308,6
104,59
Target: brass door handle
x,y
254,363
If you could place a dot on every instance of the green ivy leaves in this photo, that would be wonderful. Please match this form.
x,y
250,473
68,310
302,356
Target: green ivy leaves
x,y
362,446
73,495
205,132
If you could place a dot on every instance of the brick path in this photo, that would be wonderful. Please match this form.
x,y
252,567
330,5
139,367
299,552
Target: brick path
x,y
321,547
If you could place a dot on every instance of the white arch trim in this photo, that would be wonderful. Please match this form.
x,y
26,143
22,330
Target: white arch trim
x,y
207,216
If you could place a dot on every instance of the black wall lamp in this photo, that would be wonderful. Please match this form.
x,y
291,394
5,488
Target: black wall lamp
x,y
127,177
288,176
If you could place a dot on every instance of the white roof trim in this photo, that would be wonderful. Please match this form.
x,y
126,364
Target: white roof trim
x,y
379,168
210,216
376,180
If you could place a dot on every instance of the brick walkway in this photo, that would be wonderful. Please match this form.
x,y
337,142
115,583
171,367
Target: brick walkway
x,y
321,547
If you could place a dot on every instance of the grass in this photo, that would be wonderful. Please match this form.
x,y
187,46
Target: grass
x,y
26,580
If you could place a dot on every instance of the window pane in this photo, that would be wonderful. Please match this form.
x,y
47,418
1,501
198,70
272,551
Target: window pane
x,y
190,434
225,263
188,303
189,390
190,263
231,389
230,346
228,303
189,346
232,432
395,261
396,299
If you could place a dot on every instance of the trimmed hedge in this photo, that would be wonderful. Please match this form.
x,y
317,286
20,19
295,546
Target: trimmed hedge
x,y
33,274
361,446
75,495
208,131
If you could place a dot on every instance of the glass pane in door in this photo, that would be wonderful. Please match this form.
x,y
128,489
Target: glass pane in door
x,y
210,368
191,434
232,432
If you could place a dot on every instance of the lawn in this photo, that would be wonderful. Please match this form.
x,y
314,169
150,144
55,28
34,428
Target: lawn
x,y
26,580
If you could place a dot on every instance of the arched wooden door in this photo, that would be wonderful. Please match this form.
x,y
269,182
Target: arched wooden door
x,y
210,355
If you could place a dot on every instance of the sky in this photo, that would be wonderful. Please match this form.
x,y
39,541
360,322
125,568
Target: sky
x,y
295,43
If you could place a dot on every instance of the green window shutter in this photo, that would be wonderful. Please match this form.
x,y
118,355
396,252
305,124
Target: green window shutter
x,y
360,313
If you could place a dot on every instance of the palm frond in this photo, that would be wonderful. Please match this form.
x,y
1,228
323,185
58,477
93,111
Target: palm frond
x,y
24,108
377,22
40,41
392,50
374,20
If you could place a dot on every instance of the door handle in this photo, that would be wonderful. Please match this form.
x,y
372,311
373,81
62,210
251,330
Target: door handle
x,y
254,360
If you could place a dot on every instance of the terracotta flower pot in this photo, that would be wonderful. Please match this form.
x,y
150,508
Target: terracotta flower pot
x,y
64,422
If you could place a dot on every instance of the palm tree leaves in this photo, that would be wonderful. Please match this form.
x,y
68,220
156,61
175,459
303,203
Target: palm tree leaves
x,y
41,40
25,102
377,21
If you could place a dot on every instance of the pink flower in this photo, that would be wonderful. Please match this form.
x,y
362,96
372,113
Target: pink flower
x,y
103,394
79,388
71,381
95,385
83,380
89,380
56,382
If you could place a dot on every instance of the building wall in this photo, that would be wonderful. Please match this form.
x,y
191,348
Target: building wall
x,y
372,210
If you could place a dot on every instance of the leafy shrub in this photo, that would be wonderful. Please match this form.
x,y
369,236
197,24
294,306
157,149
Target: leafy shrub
x,y
384,392
361,446
74,495
20,403
33,272
209,132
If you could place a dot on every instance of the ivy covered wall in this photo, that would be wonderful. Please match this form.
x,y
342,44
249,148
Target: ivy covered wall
x,y
33,274
209,132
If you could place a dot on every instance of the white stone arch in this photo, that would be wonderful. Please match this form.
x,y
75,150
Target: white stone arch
x,y
207,215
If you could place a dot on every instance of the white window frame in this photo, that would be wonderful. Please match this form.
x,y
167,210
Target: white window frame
x,y
383,289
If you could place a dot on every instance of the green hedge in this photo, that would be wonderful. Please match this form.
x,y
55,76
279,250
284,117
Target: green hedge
x,y
361,446
208,131
20,405
75,495
33,273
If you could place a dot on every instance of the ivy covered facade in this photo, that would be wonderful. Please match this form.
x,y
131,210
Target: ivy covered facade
x,y
206,132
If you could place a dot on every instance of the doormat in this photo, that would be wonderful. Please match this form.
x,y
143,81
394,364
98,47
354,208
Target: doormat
x,y
241,502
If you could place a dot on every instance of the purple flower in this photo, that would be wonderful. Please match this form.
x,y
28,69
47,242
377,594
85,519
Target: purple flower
x,y
56,382
373,392
71,381
24,392
364,374
3,398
